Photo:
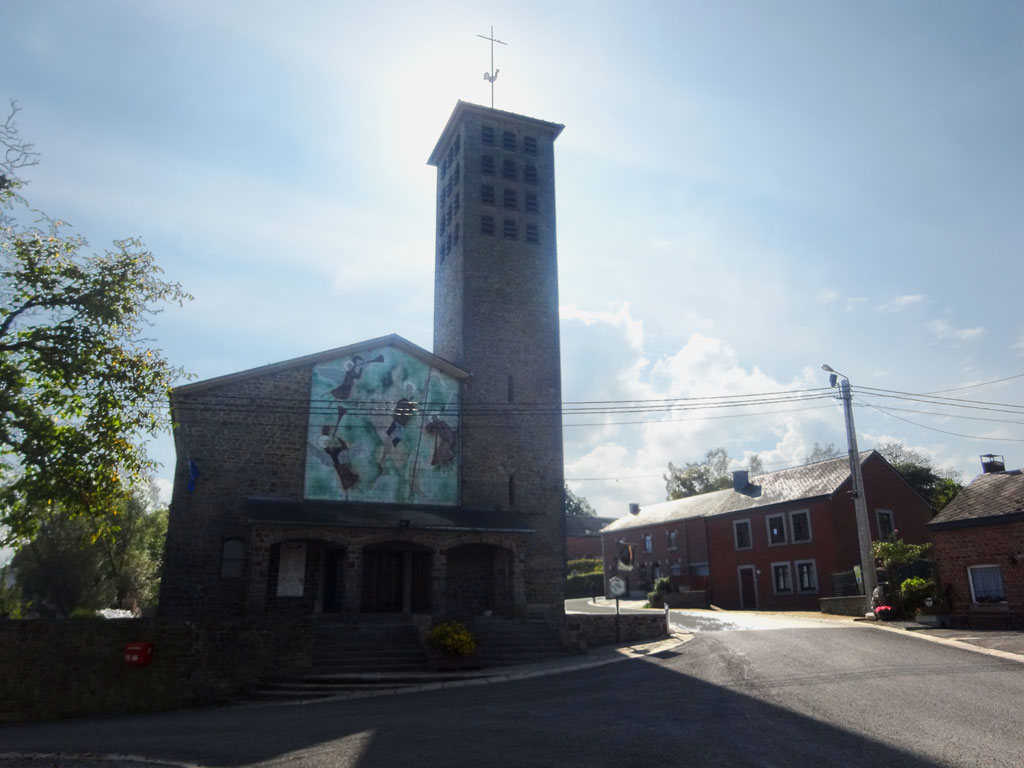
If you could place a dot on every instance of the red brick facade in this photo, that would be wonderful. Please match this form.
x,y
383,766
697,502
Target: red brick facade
x,y
998,544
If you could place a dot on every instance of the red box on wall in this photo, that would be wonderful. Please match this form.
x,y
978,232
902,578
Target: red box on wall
x,y
138,654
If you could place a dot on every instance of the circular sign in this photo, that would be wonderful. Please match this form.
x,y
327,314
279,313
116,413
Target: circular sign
x,y
616,586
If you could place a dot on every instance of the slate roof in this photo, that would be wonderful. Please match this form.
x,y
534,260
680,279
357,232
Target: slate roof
x,y
811,481
997,497
581,525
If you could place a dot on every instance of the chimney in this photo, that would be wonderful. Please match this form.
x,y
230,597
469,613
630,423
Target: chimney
x,y
740,479
634,509
991,463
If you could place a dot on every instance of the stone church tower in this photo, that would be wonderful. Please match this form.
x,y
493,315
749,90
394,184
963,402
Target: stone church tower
x,y
496,316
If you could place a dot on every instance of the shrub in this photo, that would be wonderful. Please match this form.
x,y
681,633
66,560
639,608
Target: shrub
x,y
452,637
663,585
584,585
915,591
585,565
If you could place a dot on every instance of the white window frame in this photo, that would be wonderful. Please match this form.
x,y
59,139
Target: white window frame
x,y
792,528
970,580
796,572
878,522
672,539
768,529
736,537
789,570
648,543
675,567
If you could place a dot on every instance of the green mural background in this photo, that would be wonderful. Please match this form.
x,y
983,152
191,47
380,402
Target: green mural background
x,y
383,428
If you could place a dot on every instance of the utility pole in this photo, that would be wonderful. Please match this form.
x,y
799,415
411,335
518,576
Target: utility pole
x,y
860,505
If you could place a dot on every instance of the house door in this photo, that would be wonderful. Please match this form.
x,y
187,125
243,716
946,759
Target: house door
x,y
383,581
748,588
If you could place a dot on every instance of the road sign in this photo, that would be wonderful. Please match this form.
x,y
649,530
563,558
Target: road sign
x,y
616,586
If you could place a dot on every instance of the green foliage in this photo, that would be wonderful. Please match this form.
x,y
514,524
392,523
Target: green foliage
x,y
584,585
894,552
577,505
80,386
696,477
663,585
11,604
936,486
824,452
585,565
914,591
453,637
63,568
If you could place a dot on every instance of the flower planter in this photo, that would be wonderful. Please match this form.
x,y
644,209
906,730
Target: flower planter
x,y
439,661
933,619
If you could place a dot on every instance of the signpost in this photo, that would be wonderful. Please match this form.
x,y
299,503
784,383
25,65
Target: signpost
x,y
617,588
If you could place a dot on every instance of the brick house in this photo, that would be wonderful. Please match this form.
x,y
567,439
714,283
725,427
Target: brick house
x,y
978,549
379,477
583,535
779,540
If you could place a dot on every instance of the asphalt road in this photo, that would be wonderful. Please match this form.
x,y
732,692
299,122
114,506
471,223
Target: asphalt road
x,y
747,690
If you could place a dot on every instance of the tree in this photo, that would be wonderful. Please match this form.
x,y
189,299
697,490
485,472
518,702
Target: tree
x,y
65,567
577,505
755,465
936,486
824,453
894,554
80,387
696,477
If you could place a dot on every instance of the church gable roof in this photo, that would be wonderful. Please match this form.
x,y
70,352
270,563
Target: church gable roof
x,y
391,340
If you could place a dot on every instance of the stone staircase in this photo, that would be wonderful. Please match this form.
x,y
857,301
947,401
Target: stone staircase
x,y
381,653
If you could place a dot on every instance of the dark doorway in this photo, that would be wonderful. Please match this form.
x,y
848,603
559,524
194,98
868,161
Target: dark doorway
x,y
748,588
383,579
334,580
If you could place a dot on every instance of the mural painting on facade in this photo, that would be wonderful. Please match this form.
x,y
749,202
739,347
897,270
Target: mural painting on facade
x,y
382,428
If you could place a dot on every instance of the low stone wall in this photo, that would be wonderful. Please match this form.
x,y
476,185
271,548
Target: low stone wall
x,y
842,606
54,669
589,629
693,599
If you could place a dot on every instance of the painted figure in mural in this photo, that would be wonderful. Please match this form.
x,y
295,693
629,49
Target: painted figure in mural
x,y
335,447
353,371
404,410
444,441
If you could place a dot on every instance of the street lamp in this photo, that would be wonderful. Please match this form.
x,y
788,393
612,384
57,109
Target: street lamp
x,y
867,562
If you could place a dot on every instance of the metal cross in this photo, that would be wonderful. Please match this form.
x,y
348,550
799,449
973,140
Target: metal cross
x,y
493,74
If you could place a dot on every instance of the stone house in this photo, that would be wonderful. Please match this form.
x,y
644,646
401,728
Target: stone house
x,y
781,540
978,549
379,477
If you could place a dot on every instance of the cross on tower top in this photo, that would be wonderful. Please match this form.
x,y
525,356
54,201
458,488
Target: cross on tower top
x,y
492,75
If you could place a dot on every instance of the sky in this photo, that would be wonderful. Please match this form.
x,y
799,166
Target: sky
x,y
745,191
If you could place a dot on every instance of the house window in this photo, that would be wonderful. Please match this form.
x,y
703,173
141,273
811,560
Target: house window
x,y
508,198
675,568
530,174
487,194
643,573
800,525
508,170
509,230
487,135
648,546
741,532
530,145
232,559
487,225
508,141
885,524
532,233
532,206
776,529
986,584
782,582
671,539
806,576
487,164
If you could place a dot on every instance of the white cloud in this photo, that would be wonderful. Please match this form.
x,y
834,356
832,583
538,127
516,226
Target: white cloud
x,y
854,302
901,302
942,330
827,296
618,317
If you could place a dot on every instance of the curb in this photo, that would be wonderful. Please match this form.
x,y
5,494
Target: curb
x,y
948,641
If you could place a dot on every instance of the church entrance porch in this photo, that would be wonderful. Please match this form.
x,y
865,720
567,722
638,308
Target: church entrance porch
x,y
479,581
396,579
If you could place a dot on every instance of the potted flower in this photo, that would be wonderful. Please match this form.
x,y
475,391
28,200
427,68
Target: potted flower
x,y
452,646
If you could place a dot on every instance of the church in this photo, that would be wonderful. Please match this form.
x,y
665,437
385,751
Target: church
x,y
382,478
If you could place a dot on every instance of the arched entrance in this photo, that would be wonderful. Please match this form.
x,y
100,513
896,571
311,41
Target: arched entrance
x,y
396,578
479,580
